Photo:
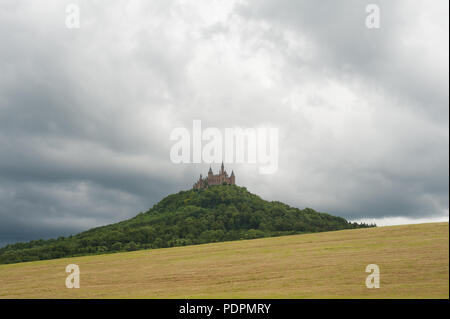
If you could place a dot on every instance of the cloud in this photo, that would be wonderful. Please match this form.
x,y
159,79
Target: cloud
x,y
86,114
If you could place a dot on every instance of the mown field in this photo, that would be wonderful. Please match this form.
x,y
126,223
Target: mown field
x,y
413,261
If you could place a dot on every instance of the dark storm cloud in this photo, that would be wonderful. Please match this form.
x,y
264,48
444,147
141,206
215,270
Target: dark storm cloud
x,y
406,170
86,114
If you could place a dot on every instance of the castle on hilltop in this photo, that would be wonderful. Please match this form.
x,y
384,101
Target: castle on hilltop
x,y
219,179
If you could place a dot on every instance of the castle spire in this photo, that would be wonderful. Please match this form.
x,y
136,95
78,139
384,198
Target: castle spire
x,y
222,168
232,178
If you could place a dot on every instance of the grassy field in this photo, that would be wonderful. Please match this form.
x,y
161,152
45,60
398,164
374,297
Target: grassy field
x,y
413,261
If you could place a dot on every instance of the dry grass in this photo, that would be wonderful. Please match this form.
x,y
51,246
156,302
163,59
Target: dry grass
x,y
413,261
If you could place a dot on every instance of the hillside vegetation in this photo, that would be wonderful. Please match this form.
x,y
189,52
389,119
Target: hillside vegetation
x,y
413,262
219,213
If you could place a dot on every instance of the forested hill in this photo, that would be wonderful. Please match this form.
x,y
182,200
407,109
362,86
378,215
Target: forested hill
x,y
219,213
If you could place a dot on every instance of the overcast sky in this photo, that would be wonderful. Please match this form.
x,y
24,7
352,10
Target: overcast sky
x,y
86,114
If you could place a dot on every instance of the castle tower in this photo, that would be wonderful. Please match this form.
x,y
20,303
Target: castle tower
x,y
232,178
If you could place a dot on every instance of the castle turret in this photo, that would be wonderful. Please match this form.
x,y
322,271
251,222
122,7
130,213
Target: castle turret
x,y
232,178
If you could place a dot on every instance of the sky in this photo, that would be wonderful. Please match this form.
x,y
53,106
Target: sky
x,y
86,113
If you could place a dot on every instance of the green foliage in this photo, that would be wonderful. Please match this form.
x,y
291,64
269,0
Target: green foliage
x,y
218,213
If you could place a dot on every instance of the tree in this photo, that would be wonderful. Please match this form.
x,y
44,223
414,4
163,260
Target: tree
x,y
116,246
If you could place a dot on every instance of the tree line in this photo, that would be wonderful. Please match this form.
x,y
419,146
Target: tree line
x,y
218,213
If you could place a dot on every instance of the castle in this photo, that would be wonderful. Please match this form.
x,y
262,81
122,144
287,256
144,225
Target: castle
x,y
219,179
